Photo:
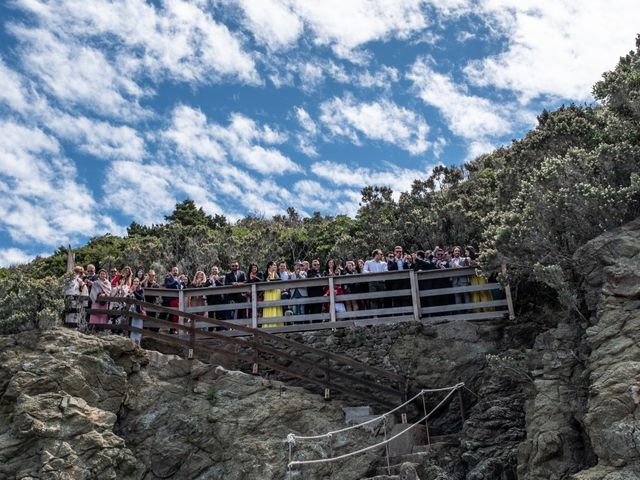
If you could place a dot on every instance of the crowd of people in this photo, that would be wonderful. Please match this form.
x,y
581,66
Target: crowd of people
x,y
126,284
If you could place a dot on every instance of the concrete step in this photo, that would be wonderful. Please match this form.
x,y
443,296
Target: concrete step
x,y
383,477
438,442
395,469
352,415
417,458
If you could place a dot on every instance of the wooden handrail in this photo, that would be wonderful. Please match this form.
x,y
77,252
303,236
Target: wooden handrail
x,y
312,282
251,331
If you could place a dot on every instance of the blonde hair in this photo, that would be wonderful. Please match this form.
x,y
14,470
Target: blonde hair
x,y
198,274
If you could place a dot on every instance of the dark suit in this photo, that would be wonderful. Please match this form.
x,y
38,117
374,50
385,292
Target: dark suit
x,y
423,265
392,265
314,292
229,279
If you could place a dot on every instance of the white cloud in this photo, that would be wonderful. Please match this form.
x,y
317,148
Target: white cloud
x,y
381,120
14,256
272,23
41,199
77,74
195,138
12,92
468,116
347,25
98,138
96,53
479,147
309,132
398,178
554,48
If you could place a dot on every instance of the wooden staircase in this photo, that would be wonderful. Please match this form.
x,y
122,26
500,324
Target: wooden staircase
x,y
317,369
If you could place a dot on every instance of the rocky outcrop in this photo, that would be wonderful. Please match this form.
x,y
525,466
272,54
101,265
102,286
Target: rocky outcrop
x,y
441,355
582,413
74,406
555,446
610,265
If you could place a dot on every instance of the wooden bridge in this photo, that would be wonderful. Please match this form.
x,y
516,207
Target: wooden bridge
x,y
400,297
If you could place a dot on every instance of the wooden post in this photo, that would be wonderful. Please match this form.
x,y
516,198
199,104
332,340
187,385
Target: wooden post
x,y
71,259
327,390
415,295
180,307
462,412
254,306
332,300
507,293
192,338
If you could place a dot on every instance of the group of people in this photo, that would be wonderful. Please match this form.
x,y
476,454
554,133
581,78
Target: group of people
x,y
125,283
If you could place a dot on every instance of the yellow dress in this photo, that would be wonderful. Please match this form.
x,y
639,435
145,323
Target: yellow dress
x,y
482,296
269,312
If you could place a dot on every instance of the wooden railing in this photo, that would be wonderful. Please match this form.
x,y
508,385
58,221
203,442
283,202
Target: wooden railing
x,y
399,297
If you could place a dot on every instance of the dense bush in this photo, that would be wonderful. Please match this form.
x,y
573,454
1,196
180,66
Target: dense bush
x,y
27,303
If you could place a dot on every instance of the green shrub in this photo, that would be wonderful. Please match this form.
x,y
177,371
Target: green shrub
x,y
28,303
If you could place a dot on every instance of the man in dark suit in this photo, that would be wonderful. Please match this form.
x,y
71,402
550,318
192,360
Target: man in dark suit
x,y
396,262
173,282
235,277
423,264
314,272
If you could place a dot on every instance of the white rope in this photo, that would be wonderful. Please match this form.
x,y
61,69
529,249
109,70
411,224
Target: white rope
x,y
293,437
371,447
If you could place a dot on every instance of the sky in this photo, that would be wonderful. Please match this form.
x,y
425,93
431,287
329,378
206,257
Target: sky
x,y
113,111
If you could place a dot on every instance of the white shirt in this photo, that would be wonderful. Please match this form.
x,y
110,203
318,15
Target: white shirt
x,y
375,266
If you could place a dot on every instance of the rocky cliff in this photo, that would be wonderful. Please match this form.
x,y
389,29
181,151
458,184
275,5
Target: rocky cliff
x,y
583,418
83,407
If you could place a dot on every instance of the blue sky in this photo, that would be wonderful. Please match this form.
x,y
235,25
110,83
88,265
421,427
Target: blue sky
x,y
112,111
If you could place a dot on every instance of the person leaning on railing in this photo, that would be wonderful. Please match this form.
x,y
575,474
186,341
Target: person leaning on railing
x,y
459,261
236,278
298,292
76,287
149,281
101,288
351,288
199,281
274,294
316,291
254,276
215,280
376,265
173,282
136,292
483,295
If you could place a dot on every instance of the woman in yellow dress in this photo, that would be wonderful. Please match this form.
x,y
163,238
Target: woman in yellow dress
x,y
269,312
483,295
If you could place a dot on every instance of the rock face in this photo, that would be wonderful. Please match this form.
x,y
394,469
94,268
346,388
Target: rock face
x,y
583,414
82,407
441,355
611,268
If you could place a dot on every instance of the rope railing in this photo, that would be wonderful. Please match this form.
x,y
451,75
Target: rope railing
x,y
291,438
373,420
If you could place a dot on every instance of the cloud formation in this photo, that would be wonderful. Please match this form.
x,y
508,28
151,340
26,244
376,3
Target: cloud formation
x,y
254,106
377,120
